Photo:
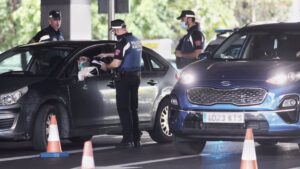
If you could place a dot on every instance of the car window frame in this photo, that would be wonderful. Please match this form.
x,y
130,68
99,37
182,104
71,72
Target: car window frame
x,y
73,59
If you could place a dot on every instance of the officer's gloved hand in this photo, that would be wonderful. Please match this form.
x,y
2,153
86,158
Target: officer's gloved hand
x,y
97,63
106,60
87,72
101,55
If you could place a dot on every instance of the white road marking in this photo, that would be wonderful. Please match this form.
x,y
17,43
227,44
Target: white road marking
x,y
128,165
70,152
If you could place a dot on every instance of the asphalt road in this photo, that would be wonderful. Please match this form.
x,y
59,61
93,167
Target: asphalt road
x,y
216,155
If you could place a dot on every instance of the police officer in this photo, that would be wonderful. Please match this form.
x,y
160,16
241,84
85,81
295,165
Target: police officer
x,y
191,44
52,32
127,64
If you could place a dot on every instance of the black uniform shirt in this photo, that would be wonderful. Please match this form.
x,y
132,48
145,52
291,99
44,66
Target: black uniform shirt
x,y
191,41
48,34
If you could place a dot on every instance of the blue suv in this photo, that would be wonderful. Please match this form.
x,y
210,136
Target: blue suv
x,y
251,81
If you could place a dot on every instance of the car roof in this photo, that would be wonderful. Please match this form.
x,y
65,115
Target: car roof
x,y
76,44
272,26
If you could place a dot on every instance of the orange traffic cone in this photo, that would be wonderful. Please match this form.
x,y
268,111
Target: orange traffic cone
x,y
249,156
87,161
54,146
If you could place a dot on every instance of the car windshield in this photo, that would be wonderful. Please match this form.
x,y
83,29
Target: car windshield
x,y
35,61
260,46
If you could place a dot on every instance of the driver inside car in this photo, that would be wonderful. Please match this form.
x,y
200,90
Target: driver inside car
x,y
86,69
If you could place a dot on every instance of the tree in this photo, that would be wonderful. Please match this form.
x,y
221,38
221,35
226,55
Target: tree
x,y
18,23
148,19
266,10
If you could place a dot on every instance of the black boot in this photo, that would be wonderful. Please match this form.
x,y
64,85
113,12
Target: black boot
x,y
137,143
125,144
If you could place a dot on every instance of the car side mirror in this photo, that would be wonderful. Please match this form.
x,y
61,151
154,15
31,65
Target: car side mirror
x,y
204,56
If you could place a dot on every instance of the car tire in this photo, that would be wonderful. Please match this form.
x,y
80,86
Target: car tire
x,y
267,143
41,127
186,147
161,132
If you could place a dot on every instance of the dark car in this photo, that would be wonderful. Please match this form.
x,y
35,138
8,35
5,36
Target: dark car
x,y
39,80
251,81
222,34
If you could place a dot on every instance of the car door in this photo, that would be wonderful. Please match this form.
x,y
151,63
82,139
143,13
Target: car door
x,y
93,100
153,71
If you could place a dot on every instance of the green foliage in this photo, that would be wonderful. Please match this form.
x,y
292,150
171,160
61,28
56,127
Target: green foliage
x,y
19,21
148,19
266,10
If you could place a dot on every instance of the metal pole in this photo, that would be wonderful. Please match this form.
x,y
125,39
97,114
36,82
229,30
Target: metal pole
x,y
253,11
111,16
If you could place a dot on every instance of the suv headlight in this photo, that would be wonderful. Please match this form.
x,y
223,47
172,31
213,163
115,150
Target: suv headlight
x,y
13,97
282,78
187,77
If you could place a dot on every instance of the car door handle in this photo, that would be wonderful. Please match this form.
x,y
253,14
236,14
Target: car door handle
x,y
152,82
111,84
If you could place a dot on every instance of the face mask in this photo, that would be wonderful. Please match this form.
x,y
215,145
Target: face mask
x,y
183,25
83,65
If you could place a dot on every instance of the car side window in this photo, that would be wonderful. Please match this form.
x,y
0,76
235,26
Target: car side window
x,y
232,49
90,53
151,64
17,62
155,65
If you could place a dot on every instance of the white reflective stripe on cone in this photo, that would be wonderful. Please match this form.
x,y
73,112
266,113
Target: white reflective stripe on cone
x,y
87,162
249,150
53,133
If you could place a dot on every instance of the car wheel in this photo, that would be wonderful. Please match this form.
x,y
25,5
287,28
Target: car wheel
x,y
161,132
267,143
41,127
185,147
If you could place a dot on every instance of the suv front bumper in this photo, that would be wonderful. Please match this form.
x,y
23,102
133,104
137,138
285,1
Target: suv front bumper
x,y
266,125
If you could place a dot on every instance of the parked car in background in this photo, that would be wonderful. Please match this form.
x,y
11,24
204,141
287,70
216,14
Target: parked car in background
x,y
38,80
222,34
252,80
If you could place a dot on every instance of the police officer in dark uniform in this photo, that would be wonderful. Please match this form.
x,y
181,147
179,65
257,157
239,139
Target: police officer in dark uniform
x,y
52,32
190,45
127,66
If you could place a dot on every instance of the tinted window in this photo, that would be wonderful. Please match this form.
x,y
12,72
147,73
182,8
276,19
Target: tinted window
x,y
261,46
232,48
36,61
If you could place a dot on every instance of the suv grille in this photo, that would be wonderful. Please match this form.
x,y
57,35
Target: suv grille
x,y
239,96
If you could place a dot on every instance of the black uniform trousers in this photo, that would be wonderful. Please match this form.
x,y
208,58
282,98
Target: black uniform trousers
x,y
127,104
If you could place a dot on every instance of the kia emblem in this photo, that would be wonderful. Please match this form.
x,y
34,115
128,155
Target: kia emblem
x,y
225,83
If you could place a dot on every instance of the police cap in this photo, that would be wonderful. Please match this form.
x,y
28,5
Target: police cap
x,y
55,14
117,24
186,13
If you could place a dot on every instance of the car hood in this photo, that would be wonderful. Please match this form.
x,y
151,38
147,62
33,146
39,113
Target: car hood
x,y
242,70
12,83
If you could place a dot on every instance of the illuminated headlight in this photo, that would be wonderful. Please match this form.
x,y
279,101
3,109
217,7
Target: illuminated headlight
x,y
13,97
187,78
289,103
281,79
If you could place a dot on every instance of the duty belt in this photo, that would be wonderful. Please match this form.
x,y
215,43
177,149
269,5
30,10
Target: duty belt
x,y
135,73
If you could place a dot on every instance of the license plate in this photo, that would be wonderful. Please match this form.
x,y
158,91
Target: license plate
x,y
211,117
